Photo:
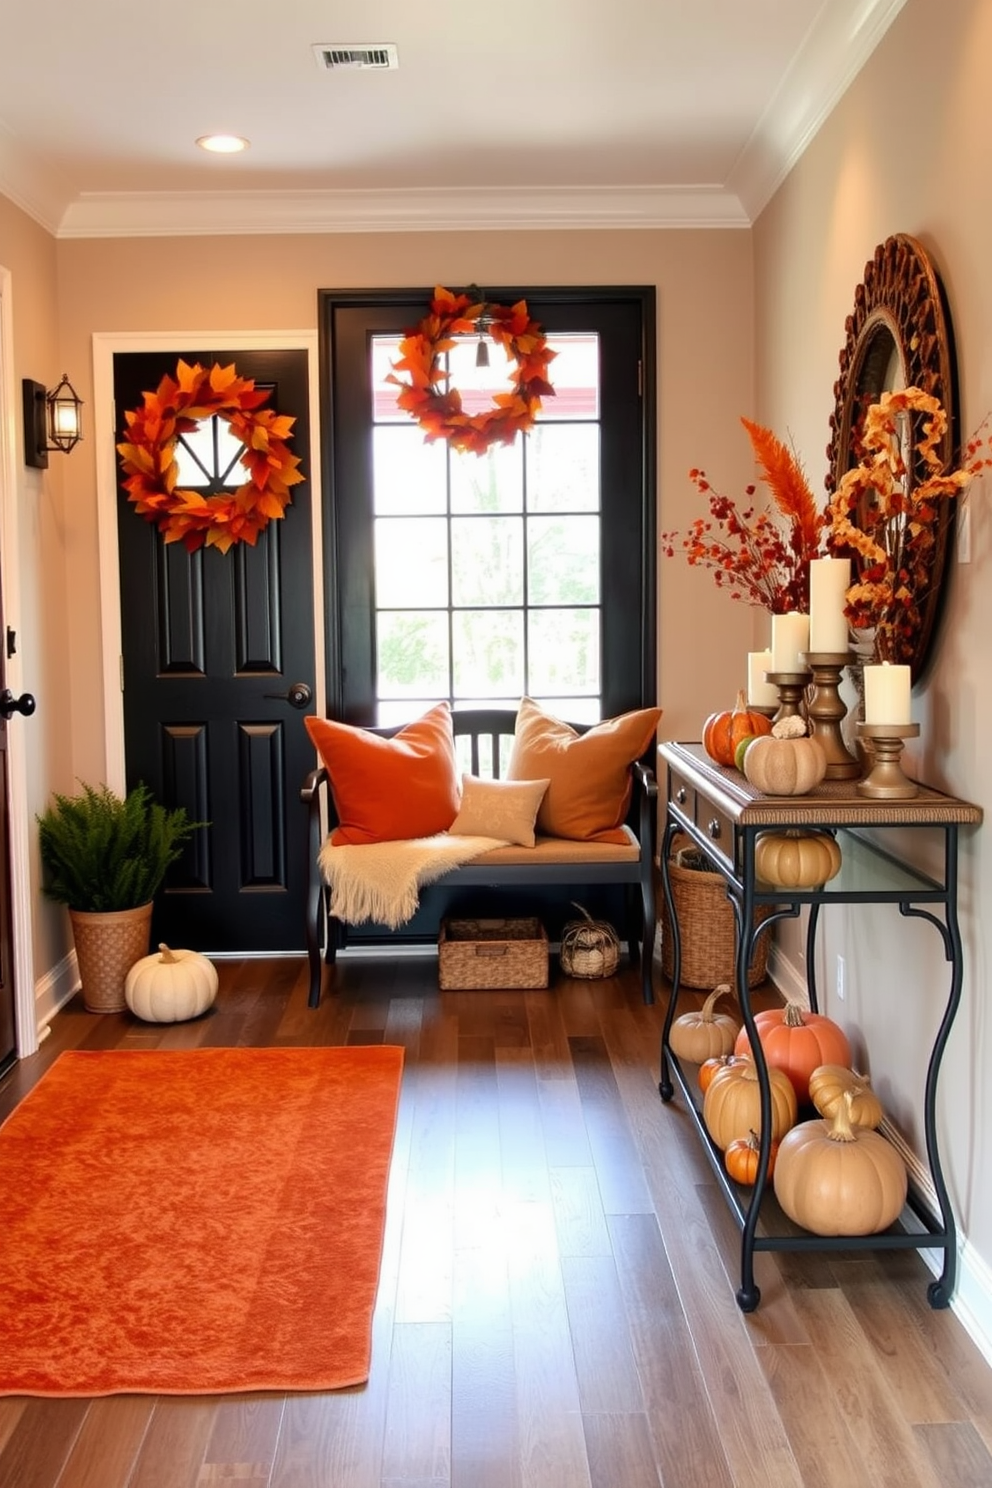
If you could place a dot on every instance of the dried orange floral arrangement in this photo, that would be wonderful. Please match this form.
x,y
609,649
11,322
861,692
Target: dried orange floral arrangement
x,y
436,407
148,458
753,554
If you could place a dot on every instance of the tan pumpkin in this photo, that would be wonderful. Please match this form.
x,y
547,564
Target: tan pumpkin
x,y
722,732
703,1034
796,860
787,762
827,1085
170,986
835,1178
732,1103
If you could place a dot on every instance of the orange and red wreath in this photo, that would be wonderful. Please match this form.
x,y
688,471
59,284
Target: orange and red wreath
x,y
148,458
437,409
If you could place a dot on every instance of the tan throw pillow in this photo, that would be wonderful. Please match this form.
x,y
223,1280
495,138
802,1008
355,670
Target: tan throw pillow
x,y
505,809
589,792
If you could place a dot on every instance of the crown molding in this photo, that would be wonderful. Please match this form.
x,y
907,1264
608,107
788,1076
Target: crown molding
x,y
836,48
169,213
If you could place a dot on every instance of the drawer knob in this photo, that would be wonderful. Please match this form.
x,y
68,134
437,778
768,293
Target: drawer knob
x,y
681,795
714,827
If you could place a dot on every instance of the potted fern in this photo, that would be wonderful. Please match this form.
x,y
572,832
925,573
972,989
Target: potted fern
x,y
106,857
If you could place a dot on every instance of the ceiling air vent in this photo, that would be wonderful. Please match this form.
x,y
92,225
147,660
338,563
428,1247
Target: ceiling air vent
x,y
337,56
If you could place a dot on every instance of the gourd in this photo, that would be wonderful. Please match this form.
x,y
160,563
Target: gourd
x,y
732,1104
827,1085
170,986
797,1042
722,732
589,948
741,1158
835,1178
787,762
796,860
700,1035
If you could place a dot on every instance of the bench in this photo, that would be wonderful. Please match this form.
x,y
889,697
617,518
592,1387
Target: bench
x,y
483,738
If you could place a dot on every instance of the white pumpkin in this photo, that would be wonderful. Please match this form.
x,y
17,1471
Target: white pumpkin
x,y
170,986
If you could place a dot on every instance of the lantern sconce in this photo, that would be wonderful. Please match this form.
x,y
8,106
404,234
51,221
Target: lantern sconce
x,y
52,420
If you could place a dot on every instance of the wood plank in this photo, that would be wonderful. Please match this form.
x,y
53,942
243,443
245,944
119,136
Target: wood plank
x,y
957,1452
484,1434
604,1360
618,1164
620,1451
672,1384
578,1210
106,1446
174,1445
38,1448
417,1441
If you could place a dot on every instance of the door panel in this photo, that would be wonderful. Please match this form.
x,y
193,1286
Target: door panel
x,y
212,643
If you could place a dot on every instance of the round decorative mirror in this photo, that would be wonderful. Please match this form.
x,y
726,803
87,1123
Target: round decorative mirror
x,y
897,336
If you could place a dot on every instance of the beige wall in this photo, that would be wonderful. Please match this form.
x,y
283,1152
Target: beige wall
x,y
907,151
35,576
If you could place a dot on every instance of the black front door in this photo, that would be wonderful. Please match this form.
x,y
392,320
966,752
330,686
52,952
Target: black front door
x,y
213,647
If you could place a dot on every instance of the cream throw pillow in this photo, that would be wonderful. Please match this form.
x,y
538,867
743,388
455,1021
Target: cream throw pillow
x,y
505,809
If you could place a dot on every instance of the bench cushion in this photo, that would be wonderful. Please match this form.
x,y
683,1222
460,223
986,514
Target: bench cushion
x,y
549,851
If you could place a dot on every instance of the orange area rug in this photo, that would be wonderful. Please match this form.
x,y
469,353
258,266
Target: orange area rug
x,y
195,1222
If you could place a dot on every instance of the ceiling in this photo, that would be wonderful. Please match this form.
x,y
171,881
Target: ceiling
x,y
526,113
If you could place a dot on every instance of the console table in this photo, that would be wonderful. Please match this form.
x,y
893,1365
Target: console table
x,y
723,815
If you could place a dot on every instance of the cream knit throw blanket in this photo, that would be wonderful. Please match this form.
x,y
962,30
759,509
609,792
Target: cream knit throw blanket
x,y
381,881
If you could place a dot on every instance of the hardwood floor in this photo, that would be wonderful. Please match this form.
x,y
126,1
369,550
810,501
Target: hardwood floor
x,y
556,1307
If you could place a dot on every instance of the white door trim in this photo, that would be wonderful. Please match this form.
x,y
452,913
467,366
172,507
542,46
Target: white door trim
x,y
104,424
21,928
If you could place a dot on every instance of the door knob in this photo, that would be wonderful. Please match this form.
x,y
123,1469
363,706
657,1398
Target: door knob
x,y
9,705
298,696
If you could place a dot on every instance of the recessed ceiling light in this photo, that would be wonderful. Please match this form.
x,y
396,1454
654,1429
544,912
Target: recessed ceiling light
x,y
222,144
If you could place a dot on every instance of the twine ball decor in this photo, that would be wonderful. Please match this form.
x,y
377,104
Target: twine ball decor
x,y
589,948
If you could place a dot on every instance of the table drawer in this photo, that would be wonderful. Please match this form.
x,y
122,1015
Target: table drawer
x,y
715,825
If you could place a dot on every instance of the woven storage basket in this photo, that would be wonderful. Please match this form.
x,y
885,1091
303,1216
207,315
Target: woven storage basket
x,y
589,948
483,954
107,946
707,927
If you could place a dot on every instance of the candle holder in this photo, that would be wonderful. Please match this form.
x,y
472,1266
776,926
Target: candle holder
x,y
826,711
791,687
886,780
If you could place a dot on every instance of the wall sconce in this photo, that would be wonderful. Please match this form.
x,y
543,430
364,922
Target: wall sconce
x,y
52,420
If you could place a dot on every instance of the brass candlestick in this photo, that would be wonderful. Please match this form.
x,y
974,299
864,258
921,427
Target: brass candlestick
x,y
791,687
886,780
826,710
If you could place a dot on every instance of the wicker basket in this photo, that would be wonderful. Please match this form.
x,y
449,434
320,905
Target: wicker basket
x,y
589,948
707,927
107,946
485,954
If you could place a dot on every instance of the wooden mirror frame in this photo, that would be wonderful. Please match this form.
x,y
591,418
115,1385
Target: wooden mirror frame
x,y
900,312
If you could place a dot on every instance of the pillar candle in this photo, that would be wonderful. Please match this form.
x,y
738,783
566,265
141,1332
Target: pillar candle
x,y
829,580
790,637
887,691
760,694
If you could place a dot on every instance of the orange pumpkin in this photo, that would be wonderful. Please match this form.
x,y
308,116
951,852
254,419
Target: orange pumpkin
x,y
797,1042
710,1067
741,1158
722,732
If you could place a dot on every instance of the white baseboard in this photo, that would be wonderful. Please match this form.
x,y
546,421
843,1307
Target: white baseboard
x,y
53,990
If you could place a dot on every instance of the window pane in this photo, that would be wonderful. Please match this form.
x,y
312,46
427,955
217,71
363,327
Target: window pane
x,y
563,560
412,654
487,560
563,468
488,483
407,471
477,386
563,652
411,561
385,351
200,462
574,375
488,650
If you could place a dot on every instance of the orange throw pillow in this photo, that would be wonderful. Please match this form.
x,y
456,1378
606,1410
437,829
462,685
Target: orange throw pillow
x,y
388,789
589,793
